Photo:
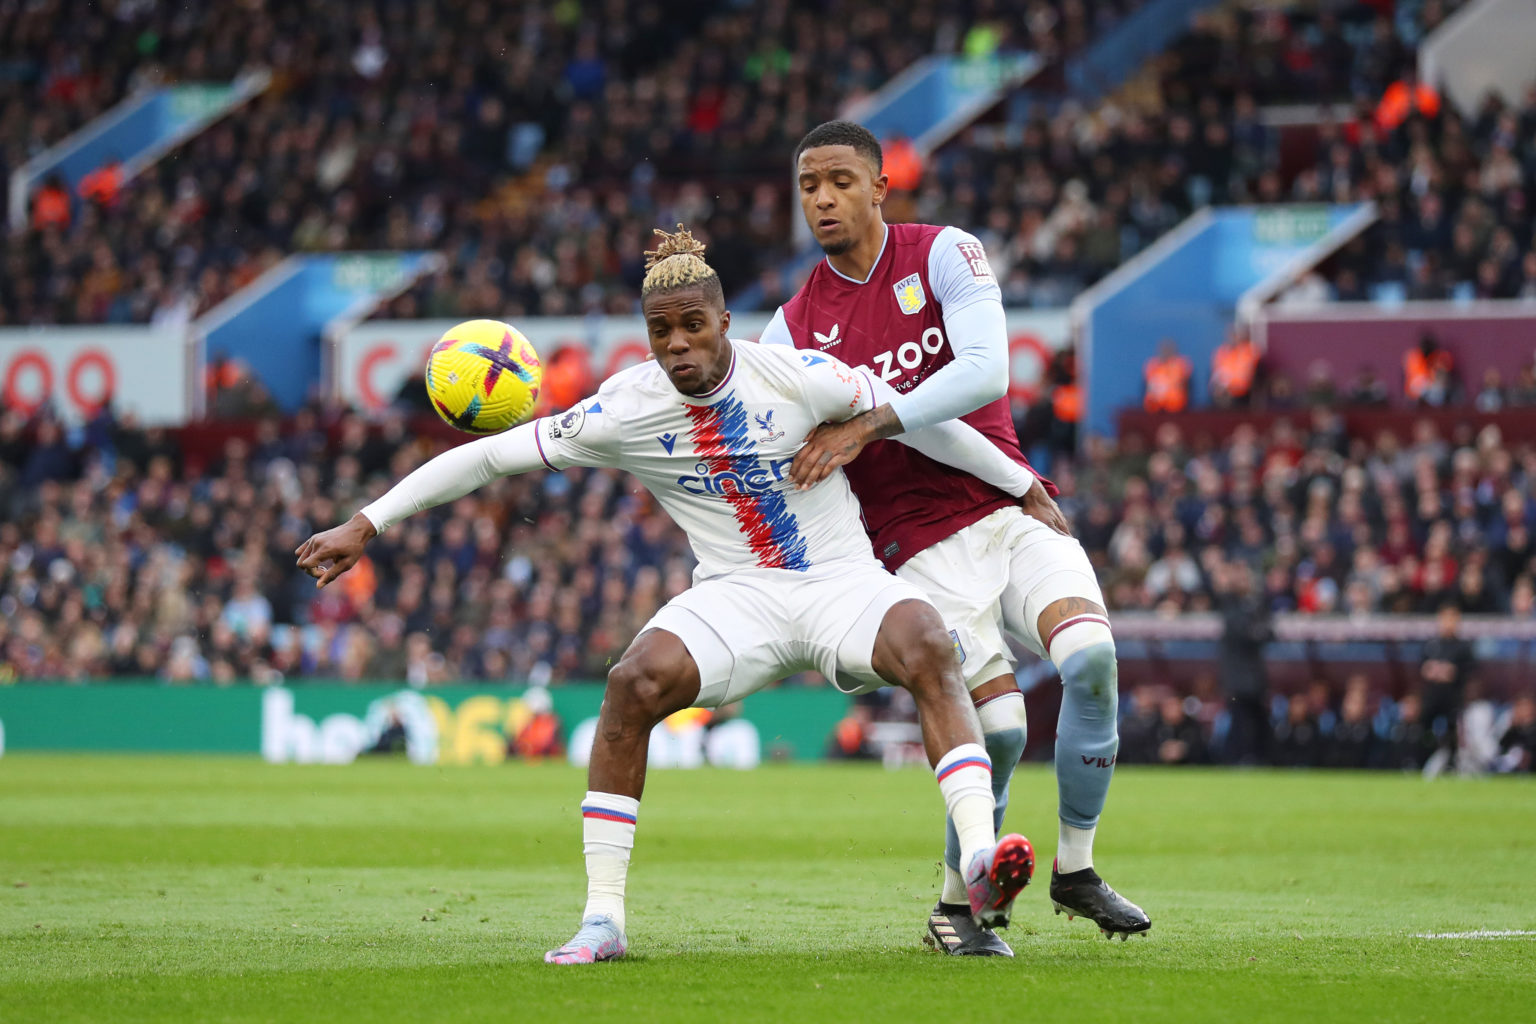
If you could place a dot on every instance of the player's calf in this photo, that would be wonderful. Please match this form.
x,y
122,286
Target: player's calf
x,y
913,650
655,678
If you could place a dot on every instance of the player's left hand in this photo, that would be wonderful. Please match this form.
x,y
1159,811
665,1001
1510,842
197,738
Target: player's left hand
x,y
327,555
1039,505
829,446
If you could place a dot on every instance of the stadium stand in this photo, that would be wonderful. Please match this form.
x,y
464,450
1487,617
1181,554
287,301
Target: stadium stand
x,y
121,556
121,553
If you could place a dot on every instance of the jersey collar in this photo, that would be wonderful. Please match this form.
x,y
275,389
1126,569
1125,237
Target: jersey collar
x,y
878,257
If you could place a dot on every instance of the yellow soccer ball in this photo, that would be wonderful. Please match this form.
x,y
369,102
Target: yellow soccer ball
x,y
483,376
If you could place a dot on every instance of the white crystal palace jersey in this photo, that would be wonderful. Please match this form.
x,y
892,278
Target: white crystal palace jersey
x,y
719,463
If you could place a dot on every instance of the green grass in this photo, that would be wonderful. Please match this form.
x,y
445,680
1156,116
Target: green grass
x,y
226,889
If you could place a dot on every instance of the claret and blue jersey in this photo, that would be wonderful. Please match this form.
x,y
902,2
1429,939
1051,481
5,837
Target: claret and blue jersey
x,y
719,462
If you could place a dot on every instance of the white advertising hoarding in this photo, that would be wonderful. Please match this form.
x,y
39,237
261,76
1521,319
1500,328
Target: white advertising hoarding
x,y
144,372
370,362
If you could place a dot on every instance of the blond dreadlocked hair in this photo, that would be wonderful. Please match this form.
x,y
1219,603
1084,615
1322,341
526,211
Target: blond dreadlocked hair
x,y
678,262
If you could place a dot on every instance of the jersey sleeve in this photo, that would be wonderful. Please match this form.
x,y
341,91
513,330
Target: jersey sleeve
x,y
959,272
834,390
956,443
977,329
455,473
586,434
777,331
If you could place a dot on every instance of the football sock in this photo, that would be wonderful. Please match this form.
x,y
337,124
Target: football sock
x,y
1087,734
1074,848
608,829
965,779
1004,728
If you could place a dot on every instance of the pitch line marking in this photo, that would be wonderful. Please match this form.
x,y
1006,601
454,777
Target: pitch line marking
x,y
1508,933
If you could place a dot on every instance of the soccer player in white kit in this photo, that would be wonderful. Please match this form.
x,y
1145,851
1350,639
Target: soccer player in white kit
x,y
785,580
917,304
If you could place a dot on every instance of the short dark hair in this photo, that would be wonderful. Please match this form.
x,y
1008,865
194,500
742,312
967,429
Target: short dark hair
x,y
844,133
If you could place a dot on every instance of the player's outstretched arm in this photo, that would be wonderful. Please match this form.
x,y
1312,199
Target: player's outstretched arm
x,y
957,443
453,474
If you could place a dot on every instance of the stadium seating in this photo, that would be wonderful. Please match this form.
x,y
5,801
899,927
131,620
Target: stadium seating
x,y
371,137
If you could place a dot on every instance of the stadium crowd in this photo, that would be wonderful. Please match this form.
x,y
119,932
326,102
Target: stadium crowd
x,y
122,557
536,145
1061,200
113,548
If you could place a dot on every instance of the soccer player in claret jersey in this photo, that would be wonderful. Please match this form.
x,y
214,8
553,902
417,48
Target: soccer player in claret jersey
x,y
785,579
917,306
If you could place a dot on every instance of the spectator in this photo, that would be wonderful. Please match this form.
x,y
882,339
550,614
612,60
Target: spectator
x,y
1427,373
1246,629
1178,736
50,205
1517,746
1444,669
1167,379
1405,746
1297,740
1234,368
540,737
1351,742
104,185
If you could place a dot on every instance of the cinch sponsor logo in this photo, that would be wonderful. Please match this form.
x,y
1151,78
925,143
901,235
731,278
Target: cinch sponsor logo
x,y
755,480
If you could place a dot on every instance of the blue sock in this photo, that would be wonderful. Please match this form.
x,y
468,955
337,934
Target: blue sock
x,y
1087,733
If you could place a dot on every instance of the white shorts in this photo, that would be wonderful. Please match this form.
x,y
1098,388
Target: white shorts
x,y
997,575
751,628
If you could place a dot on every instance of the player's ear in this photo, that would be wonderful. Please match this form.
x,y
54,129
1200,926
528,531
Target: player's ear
x,y
725,322
882,185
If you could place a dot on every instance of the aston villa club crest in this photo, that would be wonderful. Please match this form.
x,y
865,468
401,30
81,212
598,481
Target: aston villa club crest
x,y
909,294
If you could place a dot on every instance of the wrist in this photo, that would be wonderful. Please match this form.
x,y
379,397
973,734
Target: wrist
x,y
365,525
879,423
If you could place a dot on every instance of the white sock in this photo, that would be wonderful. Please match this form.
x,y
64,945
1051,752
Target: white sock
x,y
608,828
954,888
1074,848
965,779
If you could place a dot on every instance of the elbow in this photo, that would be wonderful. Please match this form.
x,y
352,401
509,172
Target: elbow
x,y
994,381
997,386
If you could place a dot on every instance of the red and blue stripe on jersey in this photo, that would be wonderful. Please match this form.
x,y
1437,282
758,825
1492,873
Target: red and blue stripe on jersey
x,y
719,435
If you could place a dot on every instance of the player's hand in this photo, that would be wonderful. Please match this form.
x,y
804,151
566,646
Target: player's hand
x,y
829,446
1039,505
327,555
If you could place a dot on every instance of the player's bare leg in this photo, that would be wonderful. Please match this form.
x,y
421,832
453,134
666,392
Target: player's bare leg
x,y
913,650
655,678
1000,709
1075,632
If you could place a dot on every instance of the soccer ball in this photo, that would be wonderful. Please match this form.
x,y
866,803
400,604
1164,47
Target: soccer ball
x,y
483,377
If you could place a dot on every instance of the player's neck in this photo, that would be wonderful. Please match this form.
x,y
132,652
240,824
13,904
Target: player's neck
x,y
718,373
859,262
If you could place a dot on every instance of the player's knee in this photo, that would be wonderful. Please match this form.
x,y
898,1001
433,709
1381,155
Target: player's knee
x,y
1088,670
640,690
930,660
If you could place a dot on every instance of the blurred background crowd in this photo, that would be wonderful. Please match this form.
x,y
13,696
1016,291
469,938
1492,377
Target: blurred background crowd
x,y
537,145
124,556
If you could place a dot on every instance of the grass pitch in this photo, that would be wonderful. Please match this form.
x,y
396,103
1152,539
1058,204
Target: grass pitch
x,y
226,889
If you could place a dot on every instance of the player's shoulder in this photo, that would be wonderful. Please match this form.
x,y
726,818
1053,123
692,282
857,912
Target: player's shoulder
x,y
774,360
633,387
915,234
